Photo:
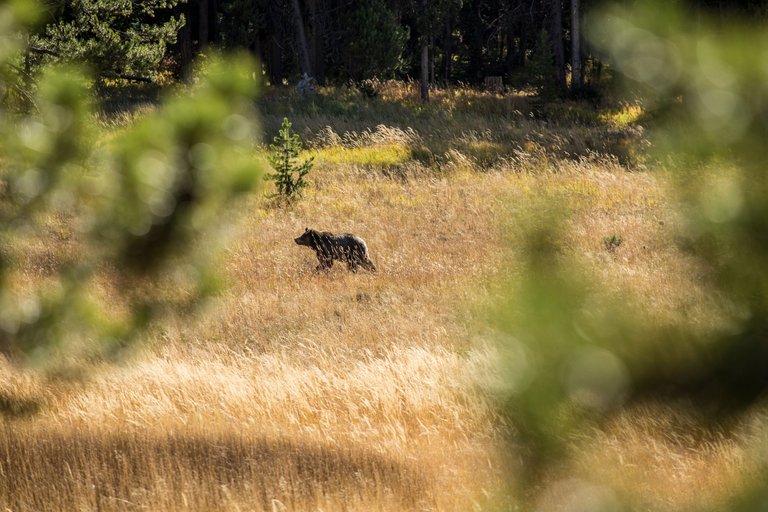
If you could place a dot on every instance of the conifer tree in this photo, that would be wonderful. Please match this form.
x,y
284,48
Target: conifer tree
x,y
289,173
116,38
375,41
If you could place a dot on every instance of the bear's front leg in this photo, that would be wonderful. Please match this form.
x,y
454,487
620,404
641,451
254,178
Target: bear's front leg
x,y
325,263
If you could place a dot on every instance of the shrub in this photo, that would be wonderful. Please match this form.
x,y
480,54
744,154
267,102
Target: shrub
x,y
611,243
289,173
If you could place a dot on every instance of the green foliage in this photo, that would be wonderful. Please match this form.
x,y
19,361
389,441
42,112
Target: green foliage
x,y
135,211
115,38
611,243
242,21
289,172
375,41
431,15
576,356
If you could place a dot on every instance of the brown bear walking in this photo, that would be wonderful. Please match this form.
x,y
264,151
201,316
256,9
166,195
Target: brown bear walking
x,y
329,247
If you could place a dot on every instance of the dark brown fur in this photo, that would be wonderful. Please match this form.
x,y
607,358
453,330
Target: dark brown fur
x,y
328,247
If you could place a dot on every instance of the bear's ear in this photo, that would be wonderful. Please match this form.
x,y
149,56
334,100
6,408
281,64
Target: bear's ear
x,y
306,229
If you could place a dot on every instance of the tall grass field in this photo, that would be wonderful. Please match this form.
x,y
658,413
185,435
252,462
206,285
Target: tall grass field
x,y
294,390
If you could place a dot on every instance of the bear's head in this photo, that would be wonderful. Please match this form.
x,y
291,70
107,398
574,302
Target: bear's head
x,y
307,238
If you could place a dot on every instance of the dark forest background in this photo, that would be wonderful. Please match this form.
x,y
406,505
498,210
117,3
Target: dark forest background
x,y
527,43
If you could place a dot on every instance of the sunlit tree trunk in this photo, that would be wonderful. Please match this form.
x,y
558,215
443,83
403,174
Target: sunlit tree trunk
x,y
315,39
432,61
424,55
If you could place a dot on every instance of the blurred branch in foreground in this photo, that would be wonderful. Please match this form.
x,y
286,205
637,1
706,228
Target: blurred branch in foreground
x,y
575,357
135,214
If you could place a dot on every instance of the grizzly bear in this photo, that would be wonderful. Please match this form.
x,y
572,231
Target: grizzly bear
x,y
329,247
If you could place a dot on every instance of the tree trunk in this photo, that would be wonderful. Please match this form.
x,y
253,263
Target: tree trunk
x,y
424,72
317,39
424,38
213,21
301,39
432,61
557,45
184,43
273,46
511,55
203,33
448,51
577,79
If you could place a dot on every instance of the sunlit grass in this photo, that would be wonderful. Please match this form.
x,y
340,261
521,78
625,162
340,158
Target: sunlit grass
x,y
388,154
625,115
340,391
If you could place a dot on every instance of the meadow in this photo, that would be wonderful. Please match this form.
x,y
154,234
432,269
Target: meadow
x,y
297,390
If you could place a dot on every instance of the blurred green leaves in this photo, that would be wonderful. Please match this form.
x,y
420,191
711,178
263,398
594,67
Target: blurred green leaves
x,y
574,356
101,233
180,166
710,79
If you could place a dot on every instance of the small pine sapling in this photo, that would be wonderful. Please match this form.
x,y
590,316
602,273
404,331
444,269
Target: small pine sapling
x,y
289,172
611,243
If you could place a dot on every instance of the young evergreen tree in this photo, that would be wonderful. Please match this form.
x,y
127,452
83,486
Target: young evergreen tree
x,y
289,173
116,38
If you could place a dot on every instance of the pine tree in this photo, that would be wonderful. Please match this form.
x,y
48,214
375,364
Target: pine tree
x,y
116,38
289,173
375,41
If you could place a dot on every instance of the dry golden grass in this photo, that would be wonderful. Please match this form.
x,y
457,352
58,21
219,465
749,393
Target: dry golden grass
x,y
304,391
665,459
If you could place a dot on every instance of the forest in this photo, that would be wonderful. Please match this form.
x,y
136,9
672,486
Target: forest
x,y
406,255
527,43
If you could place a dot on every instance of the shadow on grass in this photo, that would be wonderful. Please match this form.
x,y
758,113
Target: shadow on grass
x,y
85,470
12,406
488,129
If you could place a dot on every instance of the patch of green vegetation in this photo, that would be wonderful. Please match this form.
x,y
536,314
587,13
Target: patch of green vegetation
x,y
289,170
625,115
611,243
